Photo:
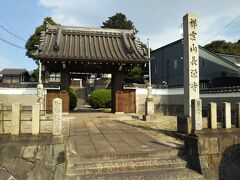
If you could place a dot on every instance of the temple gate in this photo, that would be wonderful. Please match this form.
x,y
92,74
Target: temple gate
x,y
70,50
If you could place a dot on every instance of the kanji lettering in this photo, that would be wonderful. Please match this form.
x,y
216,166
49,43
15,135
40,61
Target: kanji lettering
x,y
193,36
194,73
194,61
193,48
193,23
194,86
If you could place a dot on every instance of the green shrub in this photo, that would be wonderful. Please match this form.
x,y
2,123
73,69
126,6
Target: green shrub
x,y
72,99
101,98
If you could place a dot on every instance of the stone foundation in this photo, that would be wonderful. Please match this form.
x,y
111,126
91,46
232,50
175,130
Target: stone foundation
x,y
184,125
216,153
32,162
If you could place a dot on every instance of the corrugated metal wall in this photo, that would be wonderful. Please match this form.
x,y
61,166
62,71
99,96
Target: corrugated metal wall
x,y
210,65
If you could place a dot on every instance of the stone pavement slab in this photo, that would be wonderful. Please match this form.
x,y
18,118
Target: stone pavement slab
x,y
91,136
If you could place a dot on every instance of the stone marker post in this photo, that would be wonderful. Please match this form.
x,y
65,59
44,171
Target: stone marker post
x,y
191,70
196,114
57,116
238,114
36,118
16,118
1,118
227,115
212,115
191,61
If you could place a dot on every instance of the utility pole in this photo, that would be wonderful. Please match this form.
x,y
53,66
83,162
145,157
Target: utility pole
x,y
39,72
149,103
40,90
149,64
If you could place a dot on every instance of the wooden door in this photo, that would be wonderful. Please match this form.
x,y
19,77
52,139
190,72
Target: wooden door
x,y
57,94
126,101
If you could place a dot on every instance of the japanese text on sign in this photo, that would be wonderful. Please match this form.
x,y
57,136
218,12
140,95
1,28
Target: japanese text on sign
x,y
193,53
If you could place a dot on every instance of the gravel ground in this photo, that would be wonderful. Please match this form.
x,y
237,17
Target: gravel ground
x,y
162,129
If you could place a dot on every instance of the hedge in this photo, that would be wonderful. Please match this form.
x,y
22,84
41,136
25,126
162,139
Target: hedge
x,y
101,98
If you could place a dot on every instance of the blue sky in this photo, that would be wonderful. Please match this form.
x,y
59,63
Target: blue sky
x,y
158,20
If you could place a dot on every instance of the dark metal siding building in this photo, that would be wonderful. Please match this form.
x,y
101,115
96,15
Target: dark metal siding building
x,y
167,66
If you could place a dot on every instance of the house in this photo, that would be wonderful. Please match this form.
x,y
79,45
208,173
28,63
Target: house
x,y
215,70
14,76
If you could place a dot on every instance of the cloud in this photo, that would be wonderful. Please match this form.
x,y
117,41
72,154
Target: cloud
x,y
4,62
158,20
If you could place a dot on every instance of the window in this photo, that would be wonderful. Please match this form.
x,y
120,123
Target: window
x,y
203,64
204,84
175,64
55,77
7,79
15,79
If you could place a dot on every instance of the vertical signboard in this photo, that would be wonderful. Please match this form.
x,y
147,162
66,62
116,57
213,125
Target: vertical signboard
x,y
191,61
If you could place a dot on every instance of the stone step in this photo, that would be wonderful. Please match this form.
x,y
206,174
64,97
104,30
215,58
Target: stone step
x,y
124,165
120,116
158,174
161,154
81,102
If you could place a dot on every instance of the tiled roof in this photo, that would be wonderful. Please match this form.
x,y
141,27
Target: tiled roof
x,y
13,71
232,58
89,44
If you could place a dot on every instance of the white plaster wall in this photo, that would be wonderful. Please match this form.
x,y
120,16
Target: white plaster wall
x,y
175,97
18,91
24,96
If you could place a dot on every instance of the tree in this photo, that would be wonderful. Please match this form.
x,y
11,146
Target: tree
x,y
135,75
35,37
118,21
221,46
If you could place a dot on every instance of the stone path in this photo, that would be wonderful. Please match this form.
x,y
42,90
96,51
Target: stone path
x,y
106,136
101,147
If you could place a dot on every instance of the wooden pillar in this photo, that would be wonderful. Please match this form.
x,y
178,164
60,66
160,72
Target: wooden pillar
x,y
117,84
65,80
65,87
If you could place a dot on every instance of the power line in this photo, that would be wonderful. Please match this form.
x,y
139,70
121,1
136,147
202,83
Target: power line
x,y
9,25
11,33
236,38
223,29
3,40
